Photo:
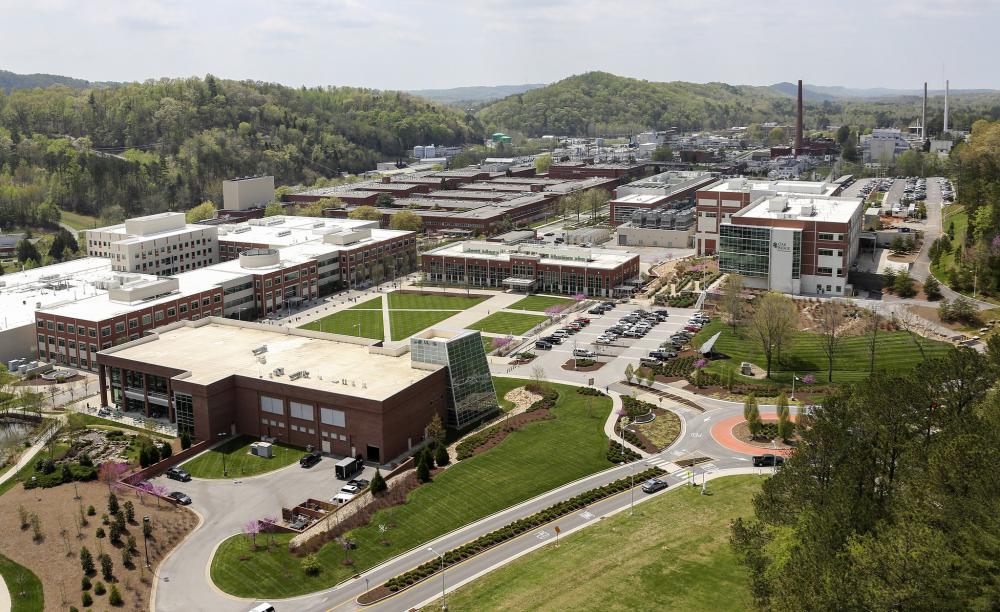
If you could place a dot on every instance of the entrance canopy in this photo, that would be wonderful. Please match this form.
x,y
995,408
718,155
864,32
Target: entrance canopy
x,y
520,284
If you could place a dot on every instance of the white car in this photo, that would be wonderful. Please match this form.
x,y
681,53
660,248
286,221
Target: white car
x,y
341,498
349,489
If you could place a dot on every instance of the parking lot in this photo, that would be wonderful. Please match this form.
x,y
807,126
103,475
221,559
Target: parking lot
x,y
617,355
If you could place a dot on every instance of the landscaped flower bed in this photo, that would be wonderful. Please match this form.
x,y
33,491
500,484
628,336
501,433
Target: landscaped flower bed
x,y
511,531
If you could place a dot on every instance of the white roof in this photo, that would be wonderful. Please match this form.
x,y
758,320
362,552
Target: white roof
x,y
640,198
760,188
548,254
226,348
834,210
48,286
283,231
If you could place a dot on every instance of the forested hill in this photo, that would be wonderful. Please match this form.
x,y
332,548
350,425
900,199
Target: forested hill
x,y
9,81
598,103
603,103
168,144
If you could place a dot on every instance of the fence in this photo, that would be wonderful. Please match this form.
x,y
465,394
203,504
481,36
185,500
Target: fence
x,y
165,464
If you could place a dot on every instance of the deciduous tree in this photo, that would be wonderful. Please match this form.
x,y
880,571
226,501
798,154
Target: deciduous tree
x,y
774,319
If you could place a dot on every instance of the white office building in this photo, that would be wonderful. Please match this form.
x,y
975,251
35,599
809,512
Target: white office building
x,y
161,244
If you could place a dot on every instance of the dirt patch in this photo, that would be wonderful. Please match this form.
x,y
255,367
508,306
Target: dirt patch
x,y
591,368
742,433
55,557
931,314
521,398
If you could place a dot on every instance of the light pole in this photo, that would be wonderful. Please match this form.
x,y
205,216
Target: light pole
x,y
225,469
444,604
145,530
631,475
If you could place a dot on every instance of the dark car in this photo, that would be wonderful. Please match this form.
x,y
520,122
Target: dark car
x,y
176,473
310,459
180,498
653,485
360,483
768,460
596,311
543,345
552,339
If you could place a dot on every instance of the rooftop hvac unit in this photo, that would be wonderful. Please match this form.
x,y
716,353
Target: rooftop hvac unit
x,y
240,230
279,371
260,350
284,233
319,224
274,221
298,375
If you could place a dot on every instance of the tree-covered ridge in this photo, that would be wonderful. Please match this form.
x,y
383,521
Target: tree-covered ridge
x,y
599,103
169,143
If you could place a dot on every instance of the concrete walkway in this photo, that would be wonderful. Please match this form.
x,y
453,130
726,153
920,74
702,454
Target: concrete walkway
x,y
5,603
29,454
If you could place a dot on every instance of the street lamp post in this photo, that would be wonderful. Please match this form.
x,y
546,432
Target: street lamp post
x,y
444,604
145,530
225,469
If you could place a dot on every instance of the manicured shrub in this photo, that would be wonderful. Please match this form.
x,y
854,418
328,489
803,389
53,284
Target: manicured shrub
x,y
115,598
85,583
86,599
99,588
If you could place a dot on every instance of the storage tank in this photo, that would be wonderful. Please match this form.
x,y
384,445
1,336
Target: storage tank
x,y
429,151
418,152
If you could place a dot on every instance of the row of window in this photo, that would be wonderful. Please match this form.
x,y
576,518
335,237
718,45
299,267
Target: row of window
x,y
304,412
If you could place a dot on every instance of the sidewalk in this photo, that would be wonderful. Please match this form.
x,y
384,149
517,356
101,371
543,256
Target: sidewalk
x,y
29,454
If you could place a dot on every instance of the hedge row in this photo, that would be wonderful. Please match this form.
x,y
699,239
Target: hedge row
x,y
618,454
517,528
467,447
635,407
590,391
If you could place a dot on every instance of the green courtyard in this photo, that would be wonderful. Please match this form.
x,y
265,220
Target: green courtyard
x,y
895,352
540,302
235,457
351,322
400,300
405,323
672,554
570,446
508,323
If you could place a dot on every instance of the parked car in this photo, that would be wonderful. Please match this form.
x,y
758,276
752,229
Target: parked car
x,y
543,345
341,498
553,339
349,488
662,355
176,473
596,310
653,485
583,321
584,353
768,460
180,498
264,607
692,328
310,459
361,483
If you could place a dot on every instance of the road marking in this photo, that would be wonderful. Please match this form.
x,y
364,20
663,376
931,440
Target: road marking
x,y
708,418
586,515
741,458
542,535
708,466
697,434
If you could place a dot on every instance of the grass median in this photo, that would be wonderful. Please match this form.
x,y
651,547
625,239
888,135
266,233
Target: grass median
x,y
537,458
672,554
235,457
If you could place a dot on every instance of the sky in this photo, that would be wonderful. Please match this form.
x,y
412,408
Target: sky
x,y
418,44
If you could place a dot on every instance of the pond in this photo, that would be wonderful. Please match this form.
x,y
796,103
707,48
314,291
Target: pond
x,y
12,433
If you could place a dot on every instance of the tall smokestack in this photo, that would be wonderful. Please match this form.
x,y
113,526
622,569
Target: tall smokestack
x,y
923,121
798,124
945,107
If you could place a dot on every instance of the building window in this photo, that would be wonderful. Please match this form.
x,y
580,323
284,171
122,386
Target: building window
x,y
158,315
824,236
71,329
105,331
171,311
273,405
300,411
133,323
824,271
147,319
329,416
825,252
184,308
92,332
184,412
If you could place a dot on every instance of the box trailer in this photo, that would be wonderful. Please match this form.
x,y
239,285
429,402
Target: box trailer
x,y
347,467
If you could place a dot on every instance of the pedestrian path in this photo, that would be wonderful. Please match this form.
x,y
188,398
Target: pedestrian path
x,y
664,464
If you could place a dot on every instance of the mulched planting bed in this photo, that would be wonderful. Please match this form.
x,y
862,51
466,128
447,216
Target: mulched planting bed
x,y
742,433
591,368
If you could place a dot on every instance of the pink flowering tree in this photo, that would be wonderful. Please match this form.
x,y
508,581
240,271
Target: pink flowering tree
x,y
808,379
269,525
500,344
250,530
158,491
110,472
579,297
554,310
699,364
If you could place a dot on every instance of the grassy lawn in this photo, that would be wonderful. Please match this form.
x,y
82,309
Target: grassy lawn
x,y
504,386
539,302
372,304
661,431
239,461
433,301
961,221
405,323
568,447
364,323
673,554
512,323
895,352
21,579
78,221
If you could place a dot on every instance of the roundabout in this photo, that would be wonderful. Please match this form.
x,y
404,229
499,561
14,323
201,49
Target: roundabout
x,y
722,433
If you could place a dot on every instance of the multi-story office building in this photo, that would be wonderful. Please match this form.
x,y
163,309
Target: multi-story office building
x,y
793,245
532,267
340,394
157,244
718,202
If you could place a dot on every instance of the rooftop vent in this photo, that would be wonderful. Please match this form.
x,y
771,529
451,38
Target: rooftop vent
x,y
298,375
240,230
279,371
260,350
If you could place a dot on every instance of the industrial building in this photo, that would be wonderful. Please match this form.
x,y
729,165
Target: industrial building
x,y
538,268
343,395
719,201
883,146
163,243
247,193
796,245
676,188
659,227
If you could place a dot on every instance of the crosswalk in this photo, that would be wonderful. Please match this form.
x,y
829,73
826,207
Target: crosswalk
x,y
664,464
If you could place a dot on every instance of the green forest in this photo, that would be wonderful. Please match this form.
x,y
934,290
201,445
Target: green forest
x,y
599,103
168,144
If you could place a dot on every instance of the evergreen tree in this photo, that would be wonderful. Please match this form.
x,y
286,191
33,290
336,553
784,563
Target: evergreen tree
x,y
441,455
377,484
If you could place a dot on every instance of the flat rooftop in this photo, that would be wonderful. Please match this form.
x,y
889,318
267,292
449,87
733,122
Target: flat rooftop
x,y
832,210
226,348
641,198
282,231
49,286
672,180
745,185
605,259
